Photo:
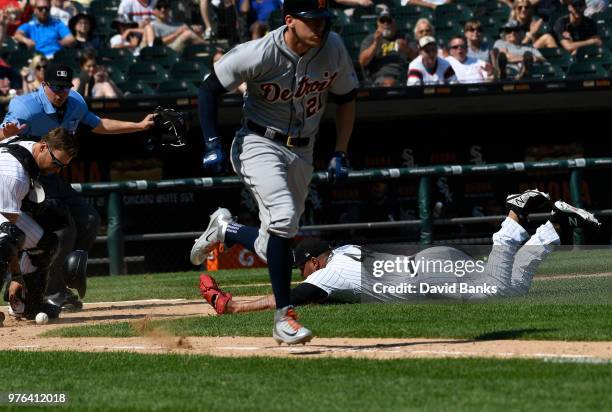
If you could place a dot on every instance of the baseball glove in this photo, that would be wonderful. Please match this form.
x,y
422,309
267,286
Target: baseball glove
x,y
213,294
170,128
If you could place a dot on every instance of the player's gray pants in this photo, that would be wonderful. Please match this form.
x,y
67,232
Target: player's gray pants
x,y
278,178
510,267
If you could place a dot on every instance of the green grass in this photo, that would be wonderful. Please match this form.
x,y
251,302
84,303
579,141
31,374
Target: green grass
x,y
184,284
554,309
133,382
576,262
172,285
469,321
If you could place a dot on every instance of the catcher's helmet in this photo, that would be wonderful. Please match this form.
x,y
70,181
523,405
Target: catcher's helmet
x,y
308,9
75,271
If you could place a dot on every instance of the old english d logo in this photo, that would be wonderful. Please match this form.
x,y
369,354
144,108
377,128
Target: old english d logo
x,y
321,4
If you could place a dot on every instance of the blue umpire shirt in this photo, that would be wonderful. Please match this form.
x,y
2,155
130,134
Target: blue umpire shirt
x,y
46,36
40,116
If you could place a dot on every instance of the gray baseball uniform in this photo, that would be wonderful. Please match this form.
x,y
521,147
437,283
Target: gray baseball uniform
x,y
286,94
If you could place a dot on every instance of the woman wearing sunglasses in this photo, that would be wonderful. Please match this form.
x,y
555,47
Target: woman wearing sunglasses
x,y
34,75
524,13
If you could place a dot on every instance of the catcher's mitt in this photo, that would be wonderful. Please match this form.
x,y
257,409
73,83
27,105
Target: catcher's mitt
x,y
170,128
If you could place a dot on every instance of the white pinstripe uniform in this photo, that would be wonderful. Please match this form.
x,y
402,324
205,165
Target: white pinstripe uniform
x,y
510,266
15,185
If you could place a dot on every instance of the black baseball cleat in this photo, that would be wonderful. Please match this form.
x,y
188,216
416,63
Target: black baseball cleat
x,y
564,213
528,202
66,300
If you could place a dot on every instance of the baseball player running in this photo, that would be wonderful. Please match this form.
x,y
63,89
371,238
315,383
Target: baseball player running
x,y
336,275
289,74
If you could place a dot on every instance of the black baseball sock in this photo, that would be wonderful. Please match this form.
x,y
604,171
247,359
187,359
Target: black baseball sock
x,y
280,261
244,235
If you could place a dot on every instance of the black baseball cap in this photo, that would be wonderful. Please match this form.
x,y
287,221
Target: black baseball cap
x,y
57,74
308,248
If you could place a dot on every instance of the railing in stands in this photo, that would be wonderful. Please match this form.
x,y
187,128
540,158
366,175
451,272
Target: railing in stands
x,y
115,238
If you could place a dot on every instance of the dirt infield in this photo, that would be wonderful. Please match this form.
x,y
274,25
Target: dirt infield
x,y
25,335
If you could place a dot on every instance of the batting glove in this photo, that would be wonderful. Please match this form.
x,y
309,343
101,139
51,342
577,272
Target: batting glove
x,y
337,171
214,158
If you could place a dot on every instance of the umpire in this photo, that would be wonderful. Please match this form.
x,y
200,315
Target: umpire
x,y
34,115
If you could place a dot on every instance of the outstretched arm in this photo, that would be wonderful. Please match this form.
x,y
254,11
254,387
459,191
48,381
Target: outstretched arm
x,y
302,294
110,126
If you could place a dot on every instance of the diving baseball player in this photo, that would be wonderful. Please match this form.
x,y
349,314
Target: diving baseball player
x,y
289,74
338,275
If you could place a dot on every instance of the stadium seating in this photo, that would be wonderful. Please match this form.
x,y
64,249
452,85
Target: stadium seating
x,y
455,12
557,56
191,71
586,70
594,54
198,52
68,56
545,72
135,88
161,55
151,73
19,58
177,87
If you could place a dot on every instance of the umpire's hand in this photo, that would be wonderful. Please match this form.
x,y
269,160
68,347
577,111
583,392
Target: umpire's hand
x,y
214,158
147,122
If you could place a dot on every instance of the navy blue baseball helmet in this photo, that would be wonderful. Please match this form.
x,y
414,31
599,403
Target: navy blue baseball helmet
x,y
308,9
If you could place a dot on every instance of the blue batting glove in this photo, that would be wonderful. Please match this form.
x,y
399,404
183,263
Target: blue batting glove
x,y
214,158
338,169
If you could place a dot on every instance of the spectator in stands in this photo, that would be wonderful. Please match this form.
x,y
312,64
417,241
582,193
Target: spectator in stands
x,y
431,4
62,10
227,19
174,35
428,68
595,6
140,11
467,69
10,82
510,49
44,33
351,3
33,76
82,26
4,20
523,12
423,27
257,13
576,30
384,53
94,81
17,13
477,49
130,36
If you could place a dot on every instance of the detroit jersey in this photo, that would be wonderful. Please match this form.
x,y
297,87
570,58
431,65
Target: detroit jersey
x,y
285,91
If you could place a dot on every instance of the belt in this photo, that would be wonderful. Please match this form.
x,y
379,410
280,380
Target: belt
x,y
289,141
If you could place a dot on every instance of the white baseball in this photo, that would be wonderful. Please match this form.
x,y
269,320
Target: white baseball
x,y
42,318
